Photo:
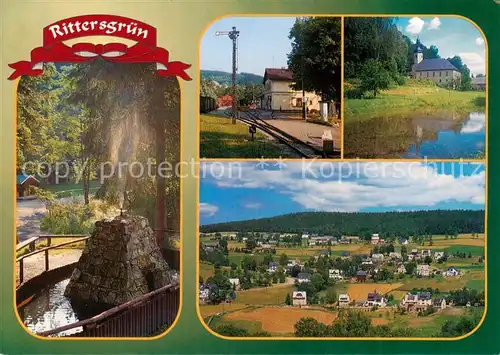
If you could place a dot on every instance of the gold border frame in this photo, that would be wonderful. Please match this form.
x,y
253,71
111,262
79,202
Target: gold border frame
x,y
483,161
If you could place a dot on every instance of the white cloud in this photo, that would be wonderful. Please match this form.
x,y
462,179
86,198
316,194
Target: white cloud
x,y
252,205
480,41
208,209
475,62
371,184
434,24
415,25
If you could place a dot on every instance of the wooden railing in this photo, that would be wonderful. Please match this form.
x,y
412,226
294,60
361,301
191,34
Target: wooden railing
x,y
31,244
143,316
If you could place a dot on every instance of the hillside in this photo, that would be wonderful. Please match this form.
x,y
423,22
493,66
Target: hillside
x,y
224,78
364,224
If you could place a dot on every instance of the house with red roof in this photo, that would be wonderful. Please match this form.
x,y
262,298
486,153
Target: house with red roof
x,y
279,95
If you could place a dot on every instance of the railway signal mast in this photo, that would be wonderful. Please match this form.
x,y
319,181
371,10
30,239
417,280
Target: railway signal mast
x,y
233,35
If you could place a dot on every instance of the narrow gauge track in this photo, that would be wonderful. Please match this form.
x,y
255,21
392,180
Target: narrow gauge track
x,y
252,118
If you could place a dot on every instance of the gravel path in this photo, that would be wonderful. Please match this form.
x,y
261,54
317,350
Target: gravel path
x,y
35,265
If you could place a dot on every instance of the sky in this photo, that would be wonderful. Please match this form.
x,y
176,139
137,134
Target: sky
x,y
231,191
263,43
453,36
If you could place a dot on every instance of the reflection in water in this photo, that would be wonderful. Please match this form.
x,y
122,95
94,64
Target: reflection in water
x,y
443,135
49,309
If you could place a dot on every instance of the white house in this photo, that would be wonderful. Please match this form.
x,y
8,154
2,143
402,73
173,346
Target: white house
x,y
439,303
423,270
235,283
438,255
378,258
273,267
375,239
395,255
451,272
401,269
344,300
204,293
303,277
279,95
335,274
417,302
375,299
299,298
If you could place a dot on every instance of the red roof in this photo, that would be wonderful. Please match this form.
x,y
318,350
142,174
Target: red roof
x,y
278,74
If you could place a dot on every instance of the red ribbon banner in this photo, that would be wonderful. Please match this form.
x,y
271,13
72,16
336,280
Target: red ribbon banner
x,y
144,51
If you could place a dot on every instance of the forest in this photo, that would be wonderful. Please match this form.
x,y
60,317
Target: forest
x,y
396,224
374,48
96,114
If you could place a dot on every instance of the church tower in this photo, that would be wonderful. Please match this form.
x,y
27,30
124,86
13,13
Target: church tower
x,y
418,53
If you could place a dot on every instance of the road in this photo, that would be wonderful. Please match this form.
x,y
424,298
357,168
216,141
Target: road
x,y
28,216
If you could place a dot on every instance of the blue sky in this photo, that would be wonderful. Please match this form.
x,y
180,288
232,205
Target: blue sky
x,y
245,190
452,36
263,43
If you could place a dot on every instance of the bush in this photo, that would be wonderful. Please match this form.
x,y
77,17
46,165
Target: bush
x,y
399,79
353,93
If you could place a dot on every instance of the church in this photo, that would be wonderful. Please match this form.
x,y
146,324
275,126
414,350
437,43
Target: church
x,y
439,70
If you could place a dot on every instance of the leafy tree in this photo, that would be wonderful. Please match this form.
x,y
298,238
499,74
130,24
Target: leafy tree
x,y
283,261
310,327
231,331
315,56
288,300
374,77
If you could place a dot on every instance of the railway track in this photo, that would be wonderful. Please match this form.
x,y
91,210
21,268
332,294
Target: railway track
x,y
253,118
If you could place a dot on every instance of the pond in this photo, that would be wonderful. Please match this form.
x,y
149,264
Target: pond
x,y
444,135
49,309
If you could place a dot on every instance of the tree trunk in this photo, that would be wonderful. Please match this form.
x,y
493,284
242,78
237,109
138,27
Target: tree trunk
x,y
86,183
160,180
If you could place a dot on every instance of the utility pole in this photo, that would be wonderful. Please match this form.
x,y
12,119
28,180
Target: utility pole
x,y
233,35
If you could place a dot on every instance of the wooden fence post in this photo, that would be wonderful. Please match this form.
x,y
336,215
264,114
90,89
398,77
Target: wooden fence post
x,y
47,260
21,271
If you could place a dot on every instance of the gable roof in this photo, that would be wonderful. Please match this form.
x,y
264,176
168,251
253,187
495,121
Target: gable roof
x,y
299,294
435,64
278,74
21,178
479,80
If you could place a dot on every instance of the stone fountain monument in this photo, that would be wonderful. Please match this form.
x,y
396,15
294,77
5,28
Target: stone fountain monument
x,y
121,261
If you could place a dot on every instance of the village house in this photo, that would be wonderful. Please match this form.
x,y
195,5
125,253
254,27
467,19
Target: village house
x,y
375,299
438,255
403,241
291,263
335,274
426,253
279,95
273,267
367,261
344,300
417,302
235,283
204,293
378,258
361,276
303,277
375,239
299,298
24,182
439,303
401,269
451,272
395,256
479,83
209,246
423,270
439,70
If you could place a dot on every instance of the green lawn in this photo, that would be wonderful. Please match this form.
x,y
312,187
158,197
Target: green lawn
x,y
219,138
67,189
414,97
476,285
238,257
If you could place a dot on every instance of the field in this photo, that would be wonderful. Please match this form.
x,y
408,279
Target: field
x,y
219,138
277,321
359,291
269,296
414,97
208,310
206,270
474,278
